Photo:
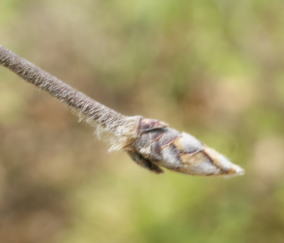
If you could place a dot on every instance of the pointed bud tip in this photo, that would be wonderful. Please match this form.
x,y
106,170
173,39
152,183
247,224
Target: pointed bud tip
x,y
223,163
238,171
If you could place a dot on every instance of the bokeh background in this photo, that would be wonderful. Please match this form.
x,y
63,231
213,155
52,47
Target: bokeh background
x,y
214,68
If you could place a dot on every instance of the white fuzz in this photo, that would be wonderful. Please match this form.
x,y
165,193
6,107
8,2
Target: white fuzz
x,y
117,133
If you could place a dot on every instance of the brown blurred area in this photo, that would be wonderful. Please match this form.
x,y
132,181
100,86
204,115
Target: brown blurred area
x,y
212,68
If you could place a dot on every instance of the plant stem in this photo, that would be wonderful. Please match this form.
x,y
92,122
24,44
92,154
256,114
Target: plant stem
x,y
106,117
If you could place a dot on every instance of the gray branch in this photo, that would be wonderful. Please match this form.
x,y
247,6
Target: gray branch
x,y
91,109
150,143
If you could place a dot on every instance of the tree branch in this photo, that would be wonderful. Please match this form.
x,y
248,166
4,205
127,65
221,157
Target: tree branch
x,y
150,143
91,109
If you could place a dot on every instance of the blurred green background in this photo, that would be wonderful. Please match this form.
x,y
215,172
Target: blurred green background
x,y
214,68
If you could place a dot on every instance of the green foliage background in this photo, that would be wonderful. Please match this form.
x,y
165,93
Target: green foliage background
x,y
213,68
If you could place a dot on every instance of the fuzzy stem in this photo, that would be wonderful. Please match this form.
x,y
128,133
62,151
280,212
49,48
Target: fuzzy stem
x,y
91,109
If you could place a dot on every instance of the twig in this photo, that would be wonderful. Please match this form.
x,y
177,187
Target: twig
x,y
121,127
150,143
